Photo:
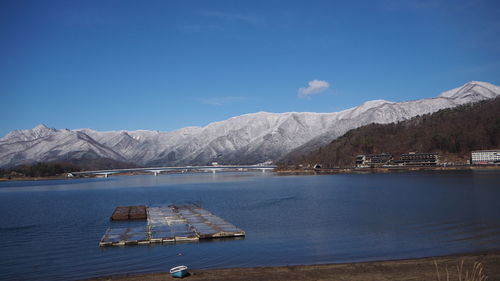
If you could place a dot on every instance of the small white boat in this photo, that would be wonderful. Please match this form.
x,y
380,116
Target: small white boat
x,y
179,271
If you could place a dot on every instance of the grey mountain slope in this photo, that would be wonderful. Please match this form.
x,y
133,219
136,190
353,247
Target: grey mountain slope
x,y
46,145
245,139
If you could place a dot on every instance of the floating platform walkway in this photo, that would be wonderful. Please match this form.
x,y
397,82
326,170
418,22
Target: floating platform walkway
x,y
187,223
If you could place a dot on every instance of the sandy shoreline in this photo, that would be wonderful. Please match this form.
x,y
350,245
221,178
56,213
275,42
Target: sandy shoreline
x,y
411,269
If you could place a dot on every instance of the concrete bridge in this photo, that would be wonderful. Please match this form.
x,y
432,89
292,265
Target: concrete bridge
x,y
158,170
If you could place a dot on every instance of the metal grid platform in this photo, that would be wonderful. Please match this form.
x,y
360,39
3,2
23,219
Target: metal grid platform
x,y
186,223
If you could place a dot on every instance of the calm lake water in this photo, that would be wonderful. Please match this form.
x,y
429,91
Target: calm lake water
x,y
50,230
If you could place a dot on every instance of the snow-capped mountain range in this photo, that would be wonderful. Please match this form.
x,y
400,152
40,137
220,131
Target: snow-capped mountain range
x,y
246,139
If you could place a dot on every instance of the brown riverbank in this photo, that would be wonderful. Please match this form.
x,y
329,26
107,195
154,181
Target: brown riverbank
x,y
412,269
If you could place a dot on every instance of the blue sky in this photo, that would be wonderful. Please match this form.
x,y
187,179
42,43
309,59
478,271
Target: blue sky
x,y
164,65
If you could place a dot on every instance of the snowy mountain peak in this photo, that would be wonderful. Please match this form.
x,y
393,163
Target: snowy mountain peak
x,y
41,130
478,88
38,131
245,139
374,103
40,127
362,109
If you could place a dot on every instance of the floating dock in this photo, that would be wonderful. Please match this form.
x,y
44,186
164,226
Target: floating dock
x,y
187,223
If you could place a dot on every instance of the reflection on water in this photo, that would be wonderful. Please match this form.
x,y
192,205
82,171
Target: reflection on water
x,y
50,229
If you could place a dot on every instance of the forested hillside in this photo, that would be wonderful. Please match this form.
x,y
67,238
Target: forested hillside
x,y
453,133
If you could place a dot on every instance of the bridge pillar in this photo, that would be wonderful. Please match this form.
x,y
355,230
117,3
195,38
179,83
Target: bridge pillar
x,y
213,171
155,172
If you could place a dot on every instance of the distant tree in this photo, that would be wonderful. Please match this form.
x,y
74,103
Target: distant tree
x,y
41,169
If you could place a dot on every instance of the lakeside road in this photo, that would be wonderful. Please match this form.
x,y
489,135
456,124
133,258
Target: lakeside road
x,y
411,269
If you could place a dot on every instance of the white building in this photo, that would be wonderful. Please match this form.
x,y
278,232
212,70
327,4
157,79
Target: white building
x,y
485,156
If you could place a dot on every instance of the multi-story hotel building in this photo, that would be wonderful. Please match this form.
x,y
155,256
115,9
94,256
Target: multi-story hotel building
x,y
485,156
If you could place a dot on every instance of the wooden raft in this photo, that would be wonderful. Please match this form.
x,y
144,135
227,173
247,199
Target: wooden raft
x,y
187,223
123,213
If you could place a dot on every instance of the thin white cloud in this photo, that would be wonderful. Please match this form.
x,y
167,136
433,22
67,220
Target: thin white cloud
x,y
221,101
315,87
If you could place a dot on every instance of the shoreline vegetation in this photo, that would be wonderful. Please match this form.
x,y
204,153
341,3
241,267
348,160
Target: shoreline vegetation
x,y
470,267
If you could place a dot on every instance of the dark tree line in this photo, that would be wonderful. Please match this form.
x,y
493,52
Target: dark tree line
x,y
40,170
453,133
